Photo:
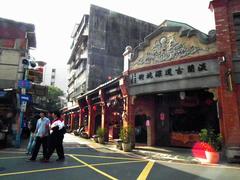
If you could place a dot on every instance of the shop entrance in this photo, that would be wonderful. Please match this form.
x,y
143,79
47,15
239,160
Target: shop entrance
x,y
182,115
194,111
140,129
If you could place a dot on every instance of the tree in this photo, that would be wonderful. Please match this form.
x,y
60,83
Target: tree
x,y
53,101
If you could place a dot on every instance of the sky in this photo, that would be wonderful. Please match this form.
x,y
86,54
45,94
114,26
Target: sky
x,y
54,21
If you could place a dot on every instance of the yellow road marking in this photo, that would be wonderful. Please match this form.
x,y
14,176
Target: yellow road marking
x,y
105,157
146,171
83,155
93,168
41,170
68,167
14,157
13,152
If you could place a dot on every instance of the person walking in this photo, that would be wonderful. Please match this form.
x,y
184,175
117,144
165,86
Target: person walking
x,y
50,116
41,133
57,131
32,127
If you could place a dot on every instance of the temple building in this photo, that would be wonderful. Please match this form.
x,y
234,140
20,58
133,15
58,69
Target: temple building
x,y
176,82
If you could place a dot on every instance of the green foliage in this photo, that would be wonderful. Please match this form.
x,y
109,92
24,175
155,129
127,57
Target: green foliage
x,y
53,101
126,134
210,137
101,132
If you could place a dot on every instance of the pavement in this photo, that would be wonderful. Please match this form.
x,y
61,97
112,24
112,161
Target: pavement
x,y
170,154
86,159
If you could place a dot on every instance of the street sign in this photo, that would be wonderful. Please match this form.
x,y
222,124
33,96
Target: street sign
x,y
23,106
24,84
25,97
23,91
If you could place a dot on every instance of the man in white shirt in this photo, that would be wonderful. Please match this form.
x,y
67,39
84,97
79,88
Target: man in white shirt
x,y
41,133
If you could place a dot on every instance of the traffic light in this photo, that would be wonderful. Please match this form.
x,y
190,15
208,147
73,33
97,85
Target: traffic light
x,y
27,62
33,64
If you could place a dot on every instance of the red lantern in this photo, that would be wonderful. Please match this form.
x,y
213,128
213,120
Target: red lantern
x,y
94,108
83,110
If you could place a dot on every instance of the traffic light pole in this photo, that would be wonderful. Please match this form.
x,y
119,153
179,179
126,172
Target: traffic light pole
x,y
21,114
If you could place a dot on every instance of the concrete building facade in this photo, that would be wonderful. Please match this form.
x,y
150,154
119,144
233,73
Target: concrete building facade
x,y
16,38
98,43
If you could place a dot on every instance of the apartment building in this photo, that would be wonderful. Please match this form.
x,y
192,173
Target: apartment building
x,y
98,42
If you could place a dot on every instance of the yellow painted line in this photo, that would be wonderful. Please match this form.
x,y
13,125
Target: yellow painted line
x,y
146,171
105,157
41,170
13,152
113,163
76,147
67,167
93,168
14,157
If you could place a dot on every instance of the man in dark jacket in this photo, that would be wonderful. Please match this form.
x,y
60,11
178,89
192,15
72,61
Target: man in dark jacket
x,y
56,137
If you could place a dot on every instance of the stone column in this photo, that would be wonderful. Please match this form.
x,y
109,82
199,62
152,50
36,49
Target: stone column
x,y
104,115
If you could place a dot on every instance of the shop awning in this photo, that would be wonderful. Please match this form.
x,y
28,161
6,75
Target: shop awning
x,y
39,109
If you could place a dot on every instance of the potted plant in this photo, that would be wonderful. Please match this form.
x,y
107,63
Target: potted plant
x,y
100,134
212,144
125,135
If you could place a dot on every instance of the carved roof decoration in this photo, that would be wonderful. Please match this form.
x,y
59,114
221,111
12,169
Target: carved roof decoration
x,y
172,41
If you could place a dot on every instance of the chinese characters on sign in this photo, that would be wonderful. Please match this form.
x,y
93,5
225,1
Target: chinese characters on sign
x,y
171,72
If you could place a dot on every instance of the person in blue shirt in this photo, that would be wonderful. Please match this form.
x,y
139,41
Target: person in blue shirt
x,y
41,134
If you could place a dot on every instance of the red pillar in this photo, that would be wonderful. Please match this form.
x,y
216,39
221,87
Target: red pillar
x,y
72,121
81,115
227,93
91,117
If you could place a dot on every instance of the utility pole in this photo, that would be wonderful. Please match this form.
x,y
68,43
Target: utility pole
x,y
23,84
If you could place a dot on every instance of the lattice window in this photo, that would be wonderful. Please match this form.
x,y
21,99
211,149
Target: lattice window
x,y
236,22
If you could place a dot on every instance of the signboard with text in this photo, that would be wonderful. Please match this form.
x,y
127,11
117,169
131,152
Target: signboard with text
x,y
24,84
175,72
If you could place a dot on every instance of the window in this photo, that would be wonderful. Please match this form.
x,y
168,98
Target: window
x,y
236,22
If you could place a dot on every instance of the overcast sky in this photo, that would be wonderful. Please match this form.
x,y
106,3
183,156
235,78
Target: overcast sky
x,y
54,21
